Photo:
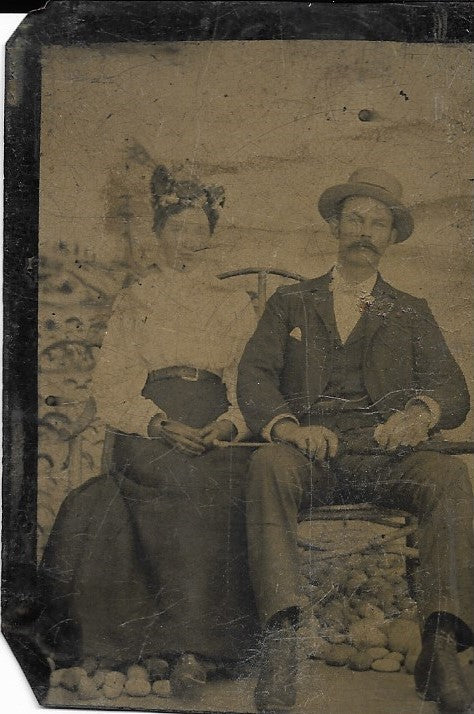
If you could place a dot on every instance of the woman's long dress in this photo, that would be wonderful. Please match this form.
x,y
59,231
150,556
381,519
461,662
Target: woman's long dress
x,y
151,558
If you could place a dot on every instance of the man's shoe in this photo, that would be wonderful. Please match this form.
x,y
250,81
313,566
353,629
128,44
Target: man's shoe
x,y
188,677
276,686
439,677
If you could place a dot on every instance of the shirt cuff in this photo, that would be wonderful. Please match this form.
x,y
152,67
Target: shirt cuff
x,y
140,426
433,407
234,415
163,418
135,420
267,430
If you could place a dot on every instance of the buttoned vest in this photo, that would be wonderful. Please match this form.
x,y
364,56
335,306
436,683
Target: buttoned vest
x,y
345,402
346,380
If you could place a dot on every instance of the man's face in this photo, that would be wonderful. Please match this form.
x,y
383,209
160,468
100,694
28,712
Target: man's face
x,y
364,230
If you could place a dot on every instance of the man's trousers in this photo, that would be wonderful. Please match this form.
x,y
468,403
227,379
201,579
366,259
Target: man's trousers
x,y
432,486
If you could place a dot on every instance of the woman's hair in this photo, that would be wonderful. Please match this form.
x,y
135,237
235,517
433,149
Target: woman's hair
x,y
170,197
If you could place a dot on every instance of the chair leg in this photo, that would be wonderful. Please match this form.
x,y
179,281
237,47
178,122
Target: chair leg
x,y
411,563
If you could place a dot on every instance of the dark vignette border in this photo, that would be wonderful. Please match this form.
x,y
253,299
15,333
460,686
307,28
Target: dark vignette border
x,y
82,23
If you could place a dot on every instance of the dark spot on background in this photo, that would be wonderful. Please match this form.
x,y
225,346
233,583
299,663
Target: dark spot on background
x,y
366,115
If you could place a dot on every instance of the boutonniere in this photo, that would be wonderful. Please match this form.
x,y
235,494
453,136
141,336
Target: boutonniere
x,y
380,306
366,301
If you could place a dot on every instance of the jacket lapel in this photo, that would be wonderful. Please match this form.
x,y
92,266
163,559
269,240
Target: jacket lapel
x,y
378,311
322,301
316,306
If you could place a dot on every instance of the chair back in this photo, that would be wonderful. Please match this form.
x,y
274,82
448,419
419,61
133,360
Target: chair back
x,y
262,274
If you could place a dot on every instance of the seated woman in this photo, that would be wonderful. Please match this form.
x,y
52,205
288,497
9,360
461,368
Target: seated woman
x,y
150,558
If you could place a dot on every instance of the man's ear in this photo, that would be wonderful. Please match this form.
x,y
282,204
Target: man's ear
x,y
393,236
334,226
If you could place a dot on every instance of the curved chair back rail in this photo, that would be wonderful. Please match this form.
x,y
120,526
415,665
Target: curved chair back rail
x,y
262,273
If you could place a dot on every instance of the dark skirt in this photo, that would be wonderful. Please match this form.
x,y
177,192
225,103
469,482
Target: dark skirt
x,y
151,558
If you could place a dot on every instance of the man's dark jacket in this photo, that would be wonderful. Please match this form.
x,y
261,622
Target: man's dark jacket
x,y
405,355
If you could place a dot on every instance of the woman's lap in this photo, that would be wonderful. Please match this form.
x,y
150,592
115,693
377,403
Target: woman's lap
x,y
159,556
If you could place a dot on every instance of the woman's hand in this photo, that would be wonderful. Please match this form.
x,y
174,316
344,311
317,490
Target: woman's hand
x,y
222,430
184,438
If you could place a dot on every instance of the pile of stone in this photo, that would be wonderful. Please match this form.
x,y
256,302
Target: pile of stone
x,y
359,612
90,682
370,643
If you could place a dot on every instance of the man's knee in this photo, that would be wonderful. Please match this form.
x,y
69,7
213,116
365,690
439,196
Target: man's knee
x,y
442,468
277,465
442,477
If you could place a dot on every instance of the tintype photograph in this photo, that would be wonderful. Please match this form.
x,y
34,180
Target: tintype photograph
x,y
238,357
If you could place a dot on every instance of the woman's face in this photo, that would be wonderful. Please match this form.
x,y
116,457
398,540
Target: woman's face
x,y
185,237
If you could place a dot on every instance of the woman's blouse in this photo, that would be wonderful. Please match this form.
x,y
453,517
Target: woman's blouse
x,y
170,319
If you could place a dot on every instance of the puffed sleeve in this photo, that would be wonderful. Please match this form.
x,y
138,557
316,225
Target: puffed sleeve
x,y
121,372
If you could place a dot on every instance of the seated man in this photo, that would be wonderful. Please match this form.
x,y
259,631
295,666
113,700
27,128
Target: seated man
x,y
341,360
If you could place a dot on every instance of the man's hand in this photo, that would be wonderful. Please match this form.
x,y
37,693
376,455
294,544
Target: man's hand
x,y
406,428
314,441
184,438
222,430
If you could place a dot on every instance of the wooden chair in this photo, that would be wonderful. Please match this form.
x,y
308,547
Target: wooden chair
x,y
403,524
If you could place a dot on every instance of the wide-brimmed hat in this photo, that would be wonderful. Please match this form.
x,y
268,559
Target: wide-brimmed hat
x,y
374,183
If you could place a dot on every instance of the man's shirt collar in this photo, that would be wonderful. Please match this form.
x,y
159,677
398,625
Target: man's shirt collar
x,y
339,285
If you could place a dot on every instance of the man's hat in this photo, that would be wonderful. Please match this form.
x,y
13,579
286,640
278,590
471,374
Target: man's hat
x,y
374,183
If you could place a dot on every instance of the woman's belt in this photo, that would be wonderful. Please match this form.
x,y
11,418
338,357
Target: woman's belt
x,y
189,374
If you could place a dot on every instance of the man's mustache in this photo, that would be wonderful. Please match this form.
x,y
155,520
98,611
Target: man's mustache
x,y
364,244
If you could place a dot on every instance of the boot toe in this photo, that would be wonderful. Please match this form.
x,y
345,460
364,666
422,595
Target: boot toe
x,y
276,687
188,677
439,678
